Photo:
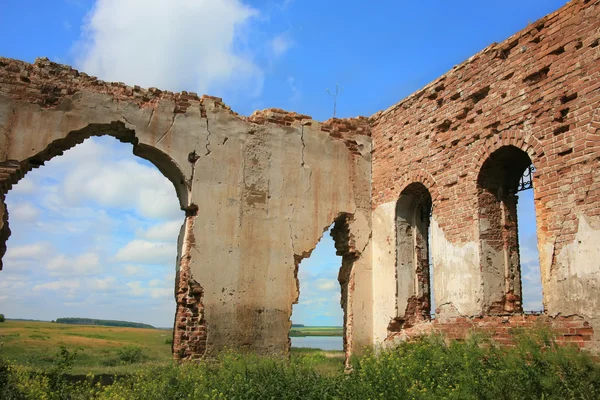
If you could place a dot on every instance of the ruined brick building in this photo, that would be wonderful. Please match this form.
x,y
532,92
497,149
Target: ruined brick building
x,y
433,176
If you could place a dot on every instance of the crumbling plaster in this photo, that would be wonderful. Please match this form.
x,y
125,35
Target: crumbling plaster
x,y
258,193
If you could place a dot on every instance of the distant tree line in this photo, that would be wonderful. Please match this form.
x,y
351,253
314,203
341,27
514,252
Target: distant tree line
x,y
102,322
297,325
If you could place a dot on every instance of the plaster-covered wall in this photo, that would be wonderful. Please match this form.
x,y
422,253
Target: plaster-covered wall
x,y
258,193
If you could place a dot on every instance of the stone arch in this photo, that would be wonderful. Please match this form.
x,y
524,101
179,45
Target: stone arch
x,y
188,293
11,171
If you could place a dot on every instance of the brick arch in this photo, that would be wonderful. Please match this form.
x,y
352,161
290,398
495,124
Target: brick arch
x,y
526,142
418,176
498,237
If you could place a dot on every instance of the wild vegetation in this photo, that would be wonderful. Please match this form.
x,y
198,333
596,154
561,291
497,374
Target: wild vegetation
x,y
1,317
428,368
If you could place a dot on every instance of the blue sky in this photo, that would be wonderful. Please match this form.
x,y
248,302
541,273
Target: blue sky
x,y
92,250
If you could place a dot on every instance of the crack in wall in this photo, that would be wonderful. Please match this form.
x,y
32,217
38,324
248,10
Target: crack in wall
x,y
208,151
151,116
303,144
168,130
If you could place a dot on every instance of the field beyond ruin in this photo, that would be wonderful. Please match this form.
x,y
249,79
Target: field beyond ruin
x,y
430,367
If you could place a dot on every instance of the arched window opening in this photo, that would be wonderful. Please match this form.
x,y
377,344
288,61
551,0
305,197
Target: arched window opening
x,y
531,281
413,256
94,235
505,178
318,315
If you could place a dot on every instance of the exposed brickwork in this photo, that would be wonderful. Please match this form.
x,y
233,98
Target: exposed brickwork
x,y
573,330
538,91
465,139
189,331
50,85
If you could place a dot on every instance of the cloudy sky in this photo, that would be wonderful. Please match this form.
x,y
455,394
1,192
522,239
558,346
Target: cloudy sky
x,y
91,241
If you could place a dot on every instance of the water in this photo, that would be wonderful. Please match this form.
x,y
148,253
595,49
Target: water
x,y
319,342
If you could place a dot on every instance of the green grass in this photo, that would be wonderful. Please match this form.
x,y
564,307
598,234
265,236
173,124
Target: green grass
x,y
100,348
427,368
316,331
35,344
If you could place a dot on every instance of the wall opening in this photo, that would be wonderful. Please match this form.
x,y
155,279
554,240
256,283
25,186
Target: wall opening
x,y
529,260
93,234
321,317
414,265
505,178
317,317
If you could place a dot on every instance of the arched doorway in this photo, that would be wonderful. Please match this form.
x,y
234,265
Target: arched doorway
x,y
507,172
413,255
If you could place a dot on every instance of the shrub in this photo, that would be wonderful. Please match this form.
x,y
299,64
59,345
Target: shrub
x,y
169,340
130,354
1,317
427,368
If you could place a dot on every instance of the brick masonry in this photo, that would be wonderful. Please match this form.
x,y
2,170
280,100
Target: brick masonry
x,y
572,330
462,141
537,93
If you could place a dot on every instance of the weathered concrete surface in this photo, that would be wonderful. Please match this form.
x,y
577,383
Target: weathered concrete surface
x,y
259,191
258,194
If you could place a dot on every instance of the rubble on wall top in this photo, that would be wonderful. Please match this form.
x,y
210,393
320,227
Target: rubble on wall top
x,y
52,82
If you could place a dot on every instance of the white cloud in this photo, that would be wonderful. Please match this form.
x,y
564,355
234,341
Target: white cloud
x,y
24,186
68,285
103,284
145,252
155,283
280,44
130,270
163,232
25,212
174,45
156,293
327,284
143,188
86,263
136,288
33,251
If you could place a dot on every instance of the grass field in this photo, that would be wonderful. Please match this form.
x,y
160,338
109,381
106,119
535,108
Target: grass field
x,y
316,331
431,367
100,348
36,344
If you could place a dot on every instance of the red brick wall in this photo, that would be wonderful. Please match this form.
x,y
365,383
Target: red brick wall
x,y
568,330
538,91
